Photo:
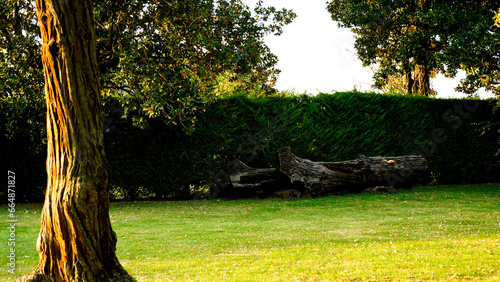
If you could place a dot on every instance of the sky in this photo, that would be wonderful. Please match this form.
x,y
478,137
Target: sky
x,y
315,55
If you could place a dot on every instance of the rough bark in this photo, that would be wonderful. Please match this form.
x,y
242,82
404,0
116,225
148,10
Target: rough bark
x,y
408,82
252,182
417,81
320,178
76,241
295,176
421,78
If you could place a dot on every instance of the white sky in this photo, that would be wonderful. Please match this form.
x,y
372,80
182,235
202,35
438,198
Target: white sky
x,y
317,56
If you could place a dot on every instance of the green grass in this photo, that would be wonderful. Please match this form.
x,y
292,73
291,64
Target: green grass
x,y
431,233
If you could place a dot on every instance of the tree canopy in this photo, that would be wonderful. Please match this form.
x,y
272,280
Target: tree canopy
x,y
164,57
159,58
415,39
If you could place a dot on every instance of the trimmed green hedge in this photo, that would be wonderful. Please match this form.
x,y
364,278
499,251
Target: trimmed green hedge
x,y
163,162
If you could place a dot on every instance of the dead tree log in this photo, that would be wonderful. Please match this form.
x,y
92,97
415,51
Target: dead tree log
x,y
253,182
320,178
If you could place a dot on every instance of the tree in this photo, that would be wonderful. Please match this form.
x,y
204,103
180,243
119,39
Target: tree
x,y
414,38
162,60
76,241
159,59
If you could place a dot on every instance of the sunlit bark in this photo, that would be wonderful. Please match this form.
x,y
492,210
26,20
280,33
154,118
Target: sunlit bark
x,y
421,80
76,242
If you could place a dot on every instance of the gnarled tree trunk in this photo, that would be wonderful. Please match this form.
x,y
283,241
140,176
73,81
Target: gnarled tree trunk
x,y
76,242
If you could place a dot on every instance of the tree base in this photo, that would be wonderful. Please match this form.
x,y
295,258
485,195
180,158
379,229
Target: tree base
x,y
37,277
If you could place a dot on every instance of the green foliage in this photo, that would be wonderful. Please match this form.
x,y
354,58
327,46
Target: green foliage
x,y
22,106
229,84
497,18
21,74
436,233
161,58
439,36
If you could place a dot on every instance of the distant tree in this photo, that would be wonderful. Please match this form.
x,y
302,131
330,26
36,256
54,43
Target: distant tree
x,y
76,241
413,38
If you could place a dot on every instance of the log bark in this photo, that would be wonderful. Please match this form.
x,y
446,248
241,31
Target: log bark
x,y
320,178
76,241
371,174
253,182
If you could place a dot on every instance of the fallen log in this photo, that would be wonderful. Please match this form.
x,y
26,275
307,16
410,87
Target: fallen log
x,y
248,182
320,178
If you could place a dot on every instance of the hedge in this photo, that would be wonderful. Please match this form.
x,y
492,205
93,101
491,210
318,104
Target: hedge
x,y
162,162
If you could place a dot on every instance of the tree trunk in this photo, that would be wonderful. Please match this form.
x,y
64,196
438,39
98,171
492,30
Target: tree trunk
x,y
320,178
421,73
408,82
76,241
421,79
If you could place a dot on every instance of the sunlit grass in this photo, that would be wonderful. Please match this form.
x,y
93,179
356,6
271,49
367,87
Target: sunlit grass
x,y
428,233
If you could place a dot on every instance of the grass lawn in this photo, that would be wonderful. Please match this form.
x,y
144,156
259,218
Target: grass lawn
x,y
428,233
